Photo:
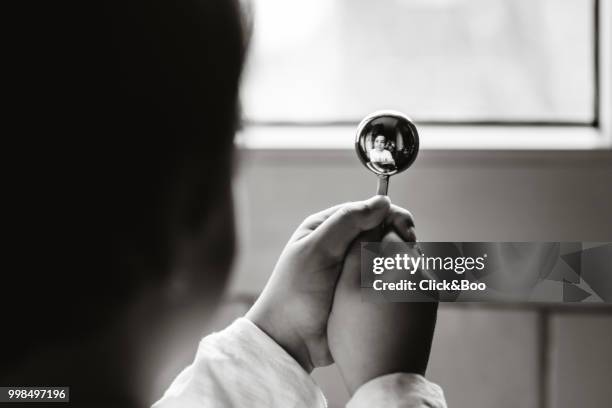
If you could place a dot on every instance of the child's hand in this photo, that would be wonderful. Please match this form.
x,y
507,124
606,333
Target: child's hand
x,y
294,306
368,340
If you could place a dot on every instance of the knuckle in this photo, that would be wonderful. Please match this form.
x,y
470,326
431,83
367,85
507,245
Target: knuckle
x,y
354,210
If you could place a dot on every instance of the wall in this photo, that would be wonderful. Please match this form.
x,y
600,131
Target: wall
x,y
511,356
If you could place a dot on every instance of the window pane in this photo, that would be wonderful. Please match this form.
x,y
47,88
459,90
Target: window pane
x,y
441,60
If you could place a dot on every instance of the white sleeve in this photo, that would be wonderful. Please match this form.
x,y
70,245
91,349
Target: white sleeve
x,y
400,390
388,157
242,366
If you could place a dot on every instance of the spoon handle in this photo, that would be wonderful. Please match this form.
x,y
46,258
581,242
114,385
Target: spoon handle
x,y
383,185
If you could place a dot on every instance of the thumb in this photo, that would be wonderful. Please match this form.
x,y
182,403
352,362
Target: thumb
x,y
337,232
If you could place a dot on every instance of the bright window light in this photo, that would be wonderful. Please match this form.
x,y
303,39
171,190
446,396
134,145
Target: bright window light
x,y
440,61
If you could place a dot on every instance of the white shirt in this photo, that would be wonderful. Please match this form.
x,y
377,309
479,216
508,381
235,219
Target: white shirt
x,y
242,366
381,157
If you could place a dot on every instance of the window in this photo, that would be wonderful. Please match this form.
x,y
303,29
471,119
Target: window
x,y
443,62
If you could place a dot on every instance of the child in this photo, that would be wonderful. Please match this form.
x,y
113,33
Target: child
x,y
135,239
381,156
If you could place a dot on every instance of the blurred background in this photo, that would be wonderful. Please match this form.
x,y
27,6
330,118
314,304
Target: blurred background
x,y
521,72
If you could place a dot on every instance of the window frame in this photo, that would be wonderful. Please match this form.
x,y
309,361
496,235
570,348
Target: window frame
x,y
484,135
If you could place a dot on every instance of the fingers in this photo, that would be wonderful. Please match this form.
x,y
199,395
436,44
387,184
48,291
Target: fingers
x,y
314,220
402,222
340,228
398,218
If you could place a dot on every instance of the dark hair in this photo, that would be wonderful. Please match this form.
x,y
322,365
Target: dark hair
x,y
130,100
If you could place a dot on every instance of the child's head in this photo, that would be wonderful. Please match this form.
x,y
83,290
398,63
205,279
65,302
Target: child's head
x,y
379,142
160,232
